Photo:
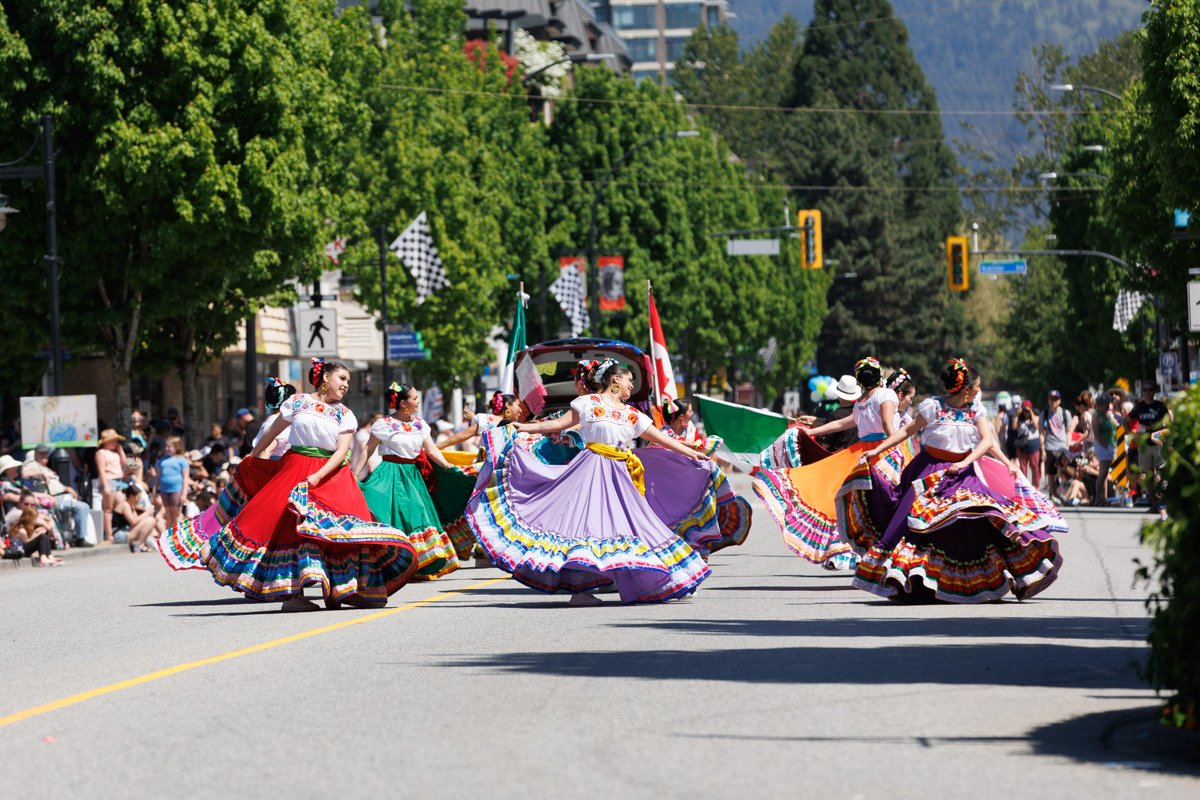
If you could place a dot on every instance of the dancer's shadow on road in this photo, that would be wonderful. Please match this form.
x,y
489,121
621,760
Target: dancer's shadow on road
x,y
1042,664
1007,627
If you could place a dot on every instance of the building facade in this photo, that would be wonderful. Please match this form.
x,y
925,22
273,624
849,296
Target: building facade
x,y
655,31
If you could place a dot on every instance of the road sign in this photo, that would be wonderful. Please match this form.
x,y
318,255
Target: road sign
x,y
1167,363
1014,267
752,247
316,332
407,355
1194,305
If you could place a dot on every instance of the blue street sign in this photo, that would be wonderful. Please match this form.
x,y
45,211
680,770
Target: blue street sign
x,y
404,339
1015,267
407,354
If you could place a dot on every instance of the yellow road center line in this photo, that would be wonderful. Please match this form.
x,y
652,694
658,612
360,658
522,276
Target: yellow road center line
x,y
245,651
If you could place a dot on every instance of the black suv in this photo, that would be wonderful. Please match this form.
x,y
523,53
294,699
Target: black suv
x,y
556,361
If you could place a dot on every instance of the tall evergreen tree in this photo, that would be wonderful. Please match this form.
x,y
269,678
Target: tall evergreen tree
x,y
866,136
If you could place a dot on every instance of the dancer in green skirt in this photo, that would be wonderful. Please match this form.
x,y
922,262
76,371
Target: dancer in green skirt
x,y
398,491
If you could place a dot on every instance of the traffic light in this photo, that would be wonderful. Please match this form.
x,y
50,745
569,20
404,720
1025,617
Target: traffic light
x,y
809,222
957,270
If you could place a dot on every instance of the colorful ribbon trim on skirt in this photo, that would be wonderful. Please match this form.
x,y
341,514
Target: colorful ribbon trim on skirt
x,y
424,466
632,463
317,452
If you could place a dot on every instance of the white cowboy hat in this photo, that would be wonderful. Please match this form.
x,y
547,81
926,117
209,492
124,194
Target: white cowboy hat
x,y
7,462
848,388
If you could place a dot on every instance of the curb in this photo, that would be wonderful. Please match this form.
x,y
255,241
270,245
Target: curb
x,y
69,556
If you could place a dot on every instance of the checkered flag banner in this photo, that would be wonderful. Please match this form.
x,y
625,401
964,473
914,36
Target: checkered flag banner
x,y
415,249
1126,308
568,291
769,354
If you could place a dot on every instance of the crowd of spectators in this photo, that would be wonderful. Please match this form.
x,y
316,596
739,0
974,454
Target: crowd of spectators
x,y
1070,455
140,484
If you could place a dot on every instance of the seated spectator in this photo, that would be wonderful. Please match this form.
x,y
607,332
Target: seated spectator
x,y
30,530
42,520
132,525
10,482
216,461
67,505
1067,488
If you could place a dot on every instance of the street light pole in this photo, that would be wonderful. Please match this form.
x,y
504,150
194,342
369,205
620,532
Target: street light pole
x,y
577,59
46,174
1083,87
593,277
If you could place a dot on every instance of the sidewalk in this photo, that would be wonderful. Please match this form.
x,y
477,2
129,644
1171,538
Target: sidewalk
x,y
74,555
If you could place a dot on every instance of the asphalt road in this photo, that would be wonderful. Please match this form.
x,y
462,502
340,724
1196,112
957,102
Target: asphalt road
x,y
776,680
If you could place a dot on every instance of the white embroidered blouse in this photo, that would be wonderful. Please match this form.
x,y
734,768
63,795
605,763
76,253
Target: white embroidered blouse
x,y
400,438
316,423
603,424
949,428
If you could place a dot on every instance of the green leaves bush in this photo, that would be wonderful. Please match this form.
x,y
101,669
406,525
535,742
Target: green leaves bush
x,y
1174,664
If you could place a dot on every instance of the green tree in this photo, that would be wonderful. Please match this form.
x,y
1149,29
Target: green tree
x,y
660,210
450,135
885,183
193,138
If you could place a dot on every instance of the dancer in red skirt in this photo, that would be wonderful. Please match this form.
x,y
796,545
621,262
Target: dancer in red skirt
x,y
305,522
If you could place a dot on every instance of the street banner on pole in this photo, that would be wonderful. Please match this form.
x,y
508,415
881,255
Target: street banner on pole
x,y
416,250
611,272
569,291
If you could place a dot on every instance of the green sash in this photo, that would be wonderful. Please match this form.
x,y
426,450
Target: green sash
x,y
317,452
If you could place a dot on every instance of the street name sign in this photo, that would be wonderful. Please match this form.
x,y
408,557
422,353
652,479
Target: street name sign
x,y
316,332
752,247
1014,267
405,345
1194,305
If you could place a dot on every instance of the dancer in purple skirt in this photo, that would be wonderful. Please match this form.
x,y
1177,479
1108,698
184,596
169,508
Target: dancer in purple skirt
x,y
585,525
968,529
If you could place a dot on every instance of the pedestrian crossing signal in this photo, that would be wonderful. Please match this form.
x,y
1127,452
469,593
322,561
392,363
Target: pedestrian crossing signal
x,y
958,273
809,222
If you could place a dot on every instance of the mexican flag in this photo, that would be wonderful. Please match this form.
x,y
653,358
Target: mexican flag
x,y
532,390
516,343
745,431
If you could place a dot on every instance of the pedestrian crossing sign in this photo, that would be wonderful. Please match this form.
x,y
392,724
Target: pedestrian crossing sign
x,y
316,332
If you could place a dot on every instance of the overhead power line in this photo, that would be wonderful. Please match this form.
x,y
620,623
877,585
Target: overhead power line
x,y
915,112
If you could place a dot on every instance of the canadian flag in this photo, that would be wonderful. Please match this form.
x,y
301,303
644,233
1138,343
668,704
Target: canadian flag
x,y
664,377
334,249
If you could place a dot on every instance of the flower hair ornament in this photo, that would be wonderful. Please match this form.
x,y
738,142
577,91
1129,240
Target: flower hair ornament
x,y
394,392
959,368
898,377
603,369
314,372
583,367
496,404
276,392
870,362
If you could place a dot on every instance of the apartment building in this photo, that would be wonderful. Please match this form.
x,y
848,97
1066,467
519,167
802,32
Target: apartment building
x,y
655,31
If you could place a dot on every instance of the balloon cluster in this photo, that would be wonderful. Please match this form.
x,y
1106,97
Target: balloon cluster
x,y
818,385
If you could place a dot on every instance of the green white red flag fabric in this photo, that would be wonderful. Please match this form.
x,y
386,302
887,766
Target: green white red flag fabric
x,y
745,431
516,343
521,371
